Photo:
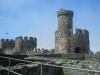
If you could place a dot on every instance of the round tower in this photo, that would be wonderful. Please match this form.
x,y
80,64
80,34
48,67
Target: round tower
x,y
19,43
62,35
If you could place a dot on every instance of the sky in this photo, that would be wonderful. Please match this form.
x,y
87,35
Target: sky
x,y
38,18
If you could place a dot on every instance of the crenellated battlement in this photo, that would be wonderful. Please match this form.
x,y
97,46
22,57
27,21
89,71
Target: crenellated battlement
x,y
6,40
82,33
25,38
19,43
64,12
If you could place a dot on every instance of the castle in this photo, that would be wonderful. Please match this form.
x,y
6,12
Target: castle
x,y
67,42
19,44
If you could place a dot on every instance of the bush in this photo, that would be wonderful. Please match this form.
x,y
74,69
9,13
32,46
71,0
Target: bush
x,y
66,59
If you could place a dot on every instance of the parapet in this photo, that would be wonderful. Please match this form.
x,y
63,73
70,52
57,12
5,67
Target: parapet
x,y
78,30
11,40
64,12
7,40
34,39
30,38
16,38
2,40
25,38
20,37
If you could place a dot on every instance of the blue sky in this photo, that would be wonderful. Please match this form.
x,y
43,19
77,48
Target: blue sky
x,y
38,18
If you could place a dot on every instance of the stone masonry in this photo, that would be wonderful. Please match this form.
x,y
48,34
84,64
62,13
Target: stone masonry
x,y
19,43
65,40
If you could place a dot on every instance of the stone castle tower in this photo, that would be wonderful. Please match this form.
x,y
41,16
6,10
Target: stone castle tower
x,y
65,40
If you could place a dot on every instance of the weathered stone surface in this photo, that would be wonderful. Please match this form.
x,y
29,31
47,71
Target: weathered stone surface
x,y
65,41
19,44
93,57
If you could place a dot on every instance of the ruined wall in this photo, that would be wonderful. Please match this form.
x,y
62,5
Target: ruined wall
x,y
76,44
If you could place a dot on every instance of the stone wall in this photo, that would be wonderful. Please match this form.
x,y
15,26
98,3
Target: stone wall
x,y
93,57
25,44
65,41
18,44
80,56
9,51
7,44
34,69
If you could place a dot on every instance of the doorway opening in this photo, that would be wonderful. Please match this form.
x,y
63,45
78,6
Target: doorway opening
x,y
77,50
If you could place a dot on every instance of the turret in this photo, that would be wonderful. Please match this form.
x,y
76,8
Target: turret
x,y
65,26
65,20
19,43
